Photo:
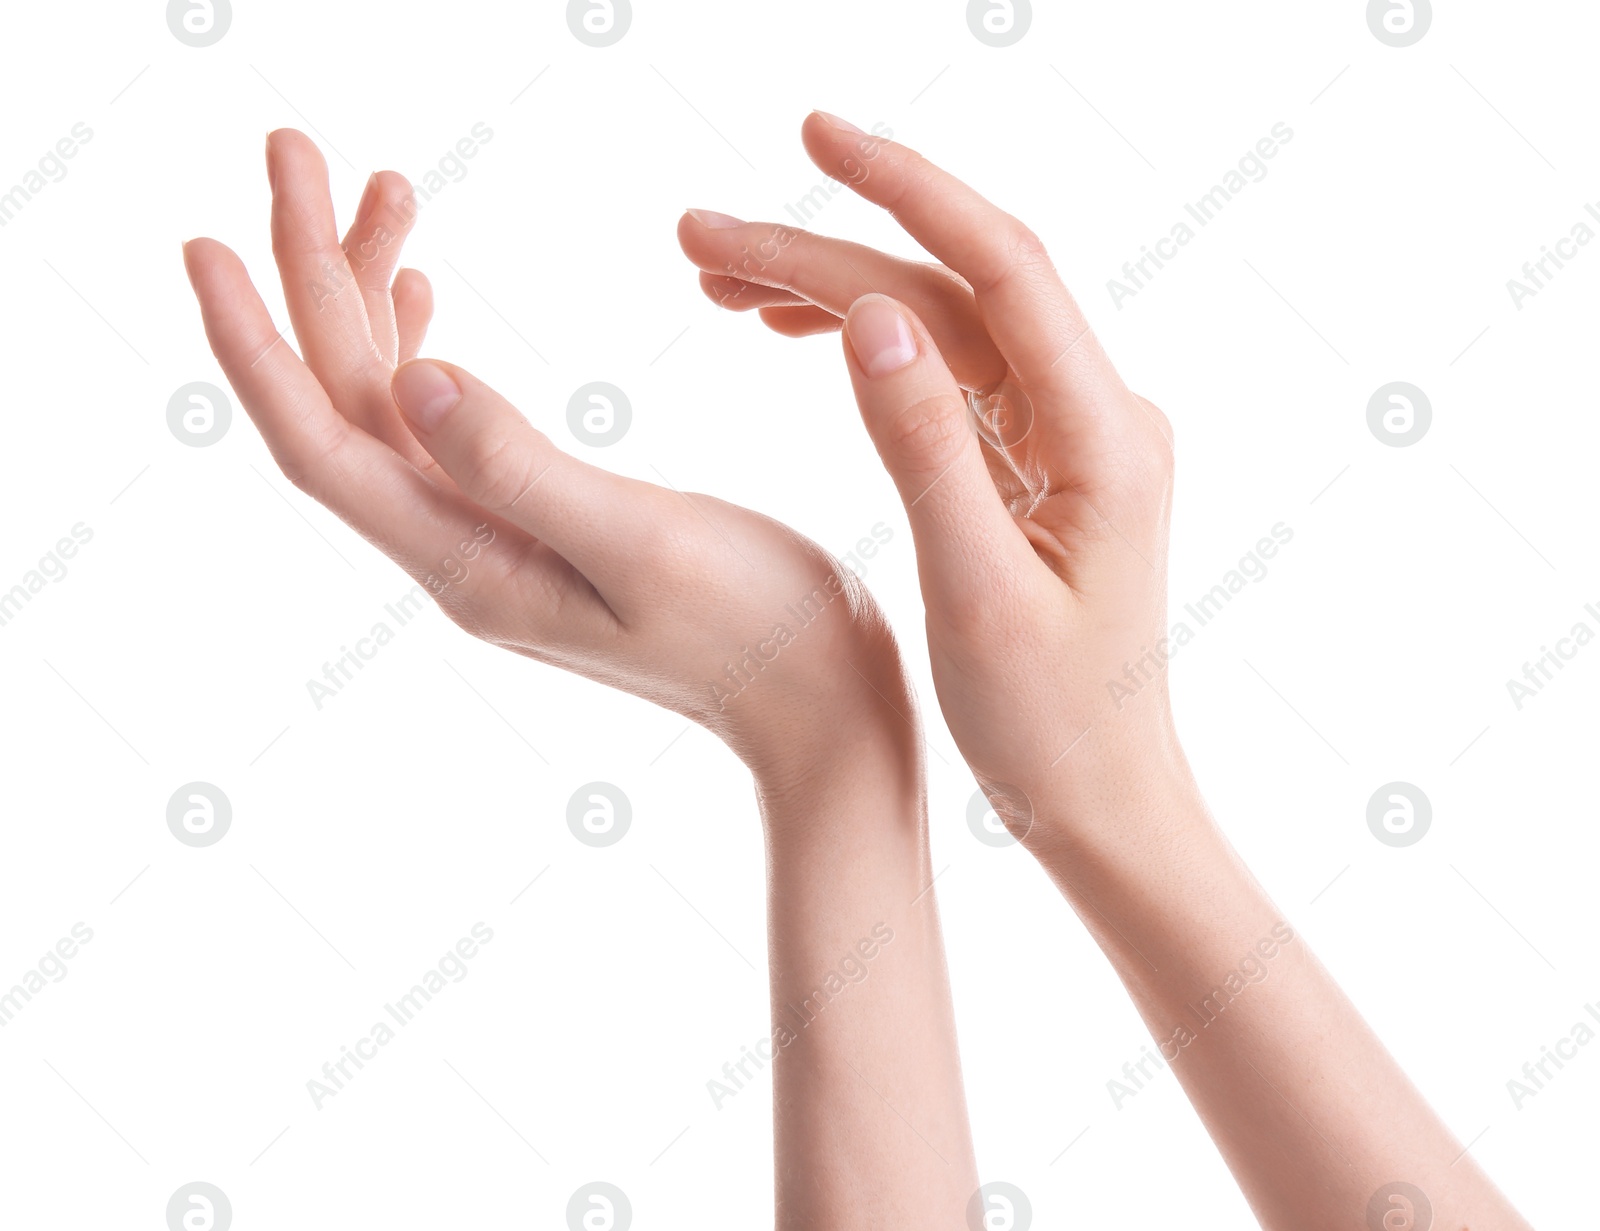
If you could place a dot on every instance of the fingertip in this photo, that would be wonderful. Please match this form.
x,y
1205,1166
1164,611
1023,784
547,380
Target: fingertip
x,y
290,149
828,140
279,142
714,221
695,228
413,302
816,134
192,254
201,254
412,283
801,321
829,120
396,191
686,232
279,139
726,291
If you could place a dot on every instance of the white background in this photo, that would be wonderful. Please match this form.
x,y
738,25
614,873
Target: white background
x,y
369,836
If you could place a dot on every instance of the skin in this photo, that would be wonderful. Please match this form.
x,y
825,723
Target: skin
x,y
434,468
1041,528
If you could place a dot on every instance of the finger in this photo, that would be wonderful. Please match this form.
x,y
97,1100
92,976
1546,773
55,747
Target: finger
x,y
918,419
1030,314
426,530
413,311
801,322
833,274
593,518
372,245
737,295
325,303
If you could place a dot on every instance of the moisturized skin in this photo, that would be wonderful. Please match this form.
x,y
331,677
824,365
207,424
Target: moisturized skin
x,y
1041,541
655,592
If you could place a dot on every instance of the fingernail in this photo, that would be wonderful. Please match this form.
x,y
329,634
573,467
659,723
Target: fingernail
x,y
717,222
880,337
367,194
270,182
425,393
846,125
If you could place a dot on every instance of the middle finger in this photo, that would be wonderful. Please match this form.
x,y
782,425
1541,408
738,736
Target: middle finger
x,y
324,298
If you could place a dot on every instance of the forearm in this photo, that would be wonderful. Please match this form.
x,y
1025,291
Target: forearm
x,y
870,1118
1312,1114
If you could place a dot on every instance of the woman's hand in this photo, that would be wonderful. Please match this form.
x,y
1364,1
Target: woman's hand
x,y
1037,484
705,608
708,609
1041,530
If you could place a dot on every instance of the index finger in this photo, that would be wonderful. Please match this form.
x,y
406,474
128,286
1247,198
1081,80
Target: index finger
x,y
1026,308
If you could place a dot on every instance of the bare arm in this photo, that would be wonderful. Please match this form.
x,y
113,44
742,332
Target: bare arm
x,y
869,1112
1039,488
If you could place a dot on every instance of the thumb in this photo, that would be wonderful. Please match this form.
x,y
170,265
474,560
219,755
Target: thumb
x,y
919,420
502,463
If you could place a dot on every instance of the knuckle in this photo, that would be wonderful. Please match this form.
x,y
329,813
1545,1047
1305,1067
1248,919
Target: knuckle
x,y
1011,248
1165,449
311,459
930,433
1023,245
301,473
1017,249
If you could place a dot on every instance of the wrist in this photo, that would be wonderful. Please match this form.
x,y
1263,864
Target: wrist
x,y
846,724
1108,794
845,772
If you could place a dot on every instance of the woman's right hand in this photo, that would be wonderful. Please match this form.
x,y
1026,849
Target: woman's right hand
x,y
1040,510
